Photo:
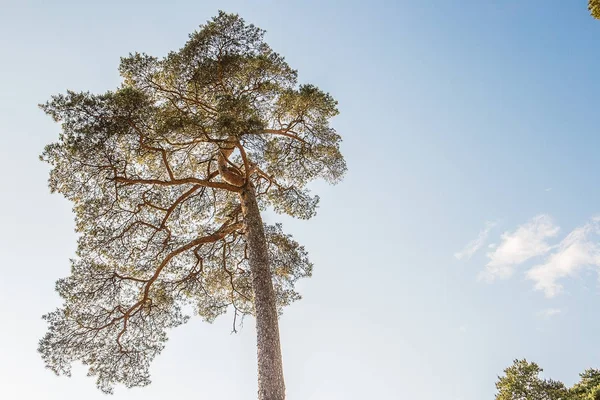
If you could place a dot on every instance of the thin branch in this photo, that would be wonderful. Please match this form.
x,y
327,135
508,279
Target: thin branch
x,y
176,182
285,132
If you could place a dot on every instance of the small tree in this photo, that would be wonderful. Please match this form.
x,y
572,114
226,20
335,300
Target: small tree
x,y
168,175
521,381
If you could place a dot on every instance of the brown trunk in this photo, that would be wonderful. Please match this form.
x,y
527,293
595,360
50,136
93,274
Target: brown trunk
x,y
270,368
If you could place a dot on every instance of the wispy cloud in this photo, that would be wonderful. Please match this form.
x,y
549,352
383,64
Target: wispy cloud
x,y
477,243
579,250
574,252
527,241
549,313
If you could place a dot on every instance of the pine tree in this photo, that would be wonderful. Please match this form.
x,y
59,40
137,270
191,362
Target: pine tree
x,y
168,175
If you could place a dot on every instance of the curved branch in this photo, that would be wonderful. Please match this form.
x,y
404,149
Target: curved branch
x,y
175,182
231,175
223,231
286,133
247,169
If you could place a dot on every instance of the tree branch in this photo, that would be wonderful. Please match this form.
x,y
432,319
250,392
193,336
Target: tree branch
x,y
286,133
223,231
175,182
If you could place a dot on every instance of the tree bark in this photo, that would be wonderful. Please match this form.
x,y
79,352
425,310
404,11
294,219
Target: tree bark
x,y
271,385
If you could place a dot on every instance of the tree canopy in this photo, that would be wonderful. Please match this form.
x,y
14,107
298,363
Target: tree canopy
x,y
154,170
522,381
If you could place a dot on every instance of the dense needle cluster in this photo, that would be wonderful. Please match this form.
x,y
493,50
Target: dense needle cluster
x,y
160,225
594,7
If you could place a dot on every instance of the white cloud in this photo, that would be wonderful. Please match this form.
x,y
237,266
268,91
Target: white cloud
x,y
549,313
574,252
477,243
527,241
462,329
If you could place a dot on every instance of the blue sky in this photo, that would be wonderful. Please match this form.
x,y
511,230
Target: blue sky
x,y
470,129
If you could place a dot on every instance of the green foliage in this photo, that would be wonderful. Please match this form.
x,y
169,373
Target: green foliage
x,y
159,227
522,381
588,388
594,7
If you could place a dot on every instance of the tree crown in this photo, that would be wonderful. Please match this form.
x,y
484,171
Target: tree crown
x,y
522,381
154,169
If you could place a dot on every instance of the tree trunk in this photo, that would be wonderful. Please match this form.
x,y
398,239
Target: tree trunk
x,y
271,385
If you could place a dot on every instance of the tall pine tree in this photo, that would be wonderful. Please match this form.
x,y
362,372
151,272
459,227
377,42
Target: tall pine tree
x,y
168,175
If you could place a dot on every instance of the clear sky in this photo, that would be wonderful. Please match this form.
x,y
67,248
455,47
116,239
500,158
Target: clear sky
x,y
462,237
